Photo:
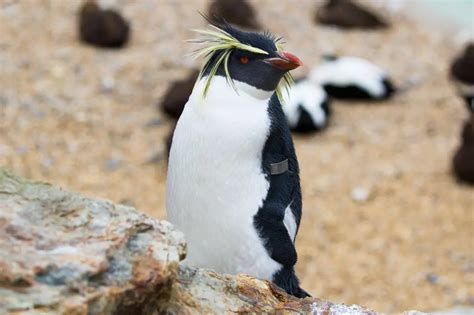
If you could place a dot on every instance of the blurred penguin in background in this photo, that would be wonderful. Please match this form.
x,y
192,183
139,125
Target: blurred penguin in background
x,y
347,14
462,71
102,27
236,12
178,94
463,160
174,100
352,78
306,107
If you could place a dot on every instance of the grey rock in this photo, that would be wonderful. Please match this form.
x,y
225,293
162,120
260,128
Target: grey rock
x,y
62,253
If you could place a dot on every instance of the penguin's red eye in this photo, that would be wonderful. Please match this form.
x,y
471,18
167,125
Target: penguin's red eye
x,y
244,60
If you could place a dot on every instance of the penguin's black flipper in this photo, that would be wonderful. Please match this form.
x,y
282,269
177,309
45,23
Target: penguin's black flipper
x,y
280,246
269,224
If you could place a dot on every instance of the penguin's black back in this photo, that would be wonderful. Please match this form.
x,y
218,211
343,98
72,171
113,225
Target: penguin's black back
x,y
279,146
284,190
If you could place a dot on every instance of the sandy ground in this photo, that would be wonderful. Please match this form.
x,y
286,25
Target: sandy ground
x,y
80,117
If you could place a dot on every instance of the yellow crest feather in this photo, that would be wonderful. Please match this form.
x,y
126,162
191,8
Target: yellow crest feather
x,y
212,41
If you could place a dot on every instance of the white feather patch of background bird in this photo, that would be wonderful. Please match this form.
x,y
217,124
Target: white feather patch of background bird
x,y
345,71
309,96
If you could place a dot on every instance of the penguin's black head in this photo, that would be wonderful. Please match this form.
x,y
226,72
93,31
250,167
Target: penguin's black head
x,y
263,69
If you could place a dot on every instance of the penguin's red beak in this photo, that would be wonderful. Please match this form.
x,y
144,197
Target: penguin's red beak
x,y
285,61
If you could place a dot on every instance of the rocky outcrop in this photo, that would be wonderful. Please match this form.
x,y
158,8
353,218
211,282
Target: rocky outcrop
x,y
210,292
63,253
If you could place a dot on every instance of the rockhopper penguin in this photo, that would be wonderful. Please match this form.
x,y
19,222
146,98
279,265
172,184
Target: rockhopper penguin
x,y
233,182
462,71
348,15
102,27
236,12
463,160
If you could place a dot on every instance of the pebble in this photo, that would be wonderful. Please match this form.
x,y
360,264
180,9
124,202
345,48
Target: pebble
x,y
127,202
156,158
361,194
107,84
58,71
432,278
9,9
3,100
113,164
47,162
21,150
155,122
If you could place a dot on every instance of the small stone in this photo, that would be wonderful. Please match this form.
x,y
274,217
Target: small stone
x,y
21,150
127,202
9,9
432,278
156,158
47,162
3,100
107,84
58,71
360,194
113,164
155,122
471,300
468,266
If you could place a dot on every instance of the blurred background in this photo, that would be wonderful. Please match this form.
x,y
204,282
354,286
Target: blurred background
x,y
386,224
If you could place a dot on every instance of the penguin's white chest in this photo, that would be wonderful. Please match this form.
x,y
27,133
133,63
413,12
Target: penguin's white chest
x,y
215,181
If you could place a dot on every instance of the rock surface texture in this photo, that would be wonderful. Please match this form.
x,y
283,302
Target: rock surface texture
x,y
211,293
62,253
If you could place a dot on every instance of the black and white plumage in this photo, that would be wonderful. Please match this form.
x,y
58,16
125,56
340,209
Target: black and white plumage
x,y
306,107
102,27
233,180
353,78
